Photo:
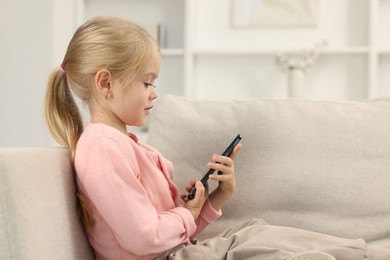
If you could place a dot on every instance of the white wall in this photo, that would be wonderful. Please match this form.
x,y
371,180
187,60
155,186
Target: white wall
x,y
25,62
337,23
34,35
239,63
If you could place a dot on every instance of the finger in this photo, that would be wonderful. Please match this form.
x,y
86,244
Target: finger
x,y
189,188
184,197
200,190
220,178
192,184
221,167
222,160
235,151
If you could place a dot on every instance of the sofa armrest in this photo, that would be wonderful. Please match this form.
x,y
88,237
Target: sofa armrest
x,y
38,216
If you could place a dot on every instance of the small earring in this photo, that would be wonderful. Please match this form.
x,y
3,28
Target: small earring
x,y
108,96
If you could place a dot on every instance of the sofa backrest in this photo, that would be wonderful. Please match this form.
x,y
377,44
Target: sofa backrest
x,y
38,218
317,165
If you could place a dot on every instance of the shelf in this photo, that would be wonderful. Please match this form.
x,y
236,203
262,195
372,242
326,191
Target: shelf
x,y
384,52
275,50
351,50
172,52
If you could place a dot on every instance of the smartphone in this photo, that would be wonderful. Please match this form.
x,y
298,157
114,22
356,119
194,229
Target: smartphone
x,y
205,178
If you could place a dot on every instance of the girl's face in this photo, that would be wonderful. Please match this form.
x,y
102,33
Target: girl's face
x,y
133,101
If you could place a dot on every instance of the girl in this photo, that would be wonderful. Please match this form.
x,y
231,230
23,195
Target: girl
x,y
130,204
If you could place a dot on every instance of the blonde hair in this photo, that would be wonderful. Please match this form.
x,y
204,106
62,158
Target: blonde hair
x,y
111,43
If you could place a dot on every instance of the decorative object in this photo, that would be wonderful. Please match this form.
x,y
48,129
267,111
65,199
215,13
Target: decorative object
x,y
297,83
275,13
296,67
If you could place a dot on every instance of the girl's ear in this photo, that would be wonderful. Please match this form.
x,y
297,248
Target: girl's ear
x,y
103,79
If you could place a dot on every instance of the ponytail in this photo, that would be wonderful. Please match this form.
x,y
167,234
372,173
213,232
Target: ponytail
x,y
62,114
66,125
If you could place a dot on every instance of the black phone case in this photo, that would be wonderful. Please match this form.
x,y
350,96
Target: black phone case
x,y
205,178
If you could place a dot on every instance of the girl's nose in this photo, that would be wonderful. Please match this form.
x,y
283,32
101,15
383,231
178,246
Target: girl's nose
x,y
153,94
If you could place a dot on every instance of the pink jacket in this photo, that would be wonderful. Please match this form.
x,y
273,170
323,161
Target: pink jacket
x,y
135,204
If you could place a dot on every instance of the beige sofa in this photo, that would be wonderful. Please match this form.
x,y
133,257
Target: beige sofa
x,y
38,218
317,165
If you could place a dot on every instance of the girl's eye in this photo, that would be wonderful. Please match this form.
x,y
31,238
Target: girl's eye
x,y
147,84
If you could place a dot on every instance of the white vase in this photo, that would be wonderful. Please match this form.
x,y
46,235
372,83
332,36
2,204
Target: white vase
x,y
297,87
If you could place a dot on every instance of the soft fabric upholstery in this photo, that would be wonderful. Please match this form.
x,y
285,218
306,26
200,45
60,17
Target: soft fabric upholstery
x,y
38,218
317,165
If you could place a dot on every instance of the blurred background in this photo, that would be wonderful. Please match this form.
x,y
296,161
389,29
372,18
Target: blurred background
x,y
215,50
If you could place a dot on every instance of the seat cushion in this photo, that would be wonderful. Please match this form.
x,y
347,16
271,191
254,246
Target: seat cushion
x,y
38,216
317,165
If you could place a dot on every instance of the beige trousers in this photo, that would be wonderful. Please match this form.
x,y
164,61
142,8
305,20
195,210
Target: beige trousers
x,y
255,239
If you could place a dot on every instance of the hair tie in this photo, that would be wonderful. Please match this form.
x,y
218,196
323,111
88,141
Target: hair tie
x,y
62,69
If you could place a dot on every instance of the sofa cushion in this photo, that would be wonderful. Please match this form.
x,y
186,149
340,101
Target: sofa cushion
x,y
38,216
317,165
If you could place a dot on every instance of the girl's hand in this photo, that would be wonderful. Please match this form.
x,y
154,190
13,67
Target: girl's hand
x,y
226,175
195,205
226,178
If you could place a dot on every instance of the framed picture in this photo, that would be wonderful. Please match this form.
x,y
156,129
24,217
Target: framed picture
x,y
275,13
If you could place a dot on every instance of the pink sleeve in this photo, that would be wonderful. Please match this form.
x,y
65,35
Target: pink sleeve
x,y
111,181
207,216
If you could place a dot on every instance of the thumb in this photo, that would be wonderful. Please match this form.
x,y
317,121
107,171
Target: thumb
x,y
200,190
